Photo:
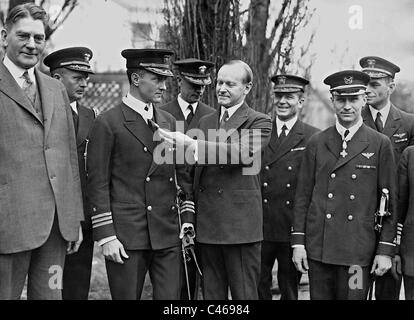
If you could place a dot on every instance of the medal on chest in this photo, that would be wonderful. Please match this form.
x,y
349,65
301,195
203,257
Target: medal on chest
x,y
343,153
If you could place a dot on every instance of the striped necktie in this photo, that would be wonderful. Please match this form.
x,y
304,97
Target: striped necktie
x,y
29,87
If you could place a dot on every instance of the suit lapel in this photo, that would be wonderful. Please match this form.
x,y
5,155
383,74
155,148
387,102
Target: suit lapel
x,y
236,120
10,87
138,127
334,142
358,143
294,137
393,122
211,122
164,124
85,120
273,143
47,97
176,111
367,117
197,116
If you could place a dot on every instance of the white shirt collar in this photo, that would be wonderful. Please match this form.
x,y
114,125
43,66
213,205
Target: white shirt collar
x,y
289,124
74,106
384,112
341,129
230,110
17,72
184,106
139,107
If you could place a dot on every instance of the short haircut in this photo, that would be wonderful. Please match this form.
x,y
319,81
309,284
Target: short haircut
x,y
60,71
248,71
138,71
24,11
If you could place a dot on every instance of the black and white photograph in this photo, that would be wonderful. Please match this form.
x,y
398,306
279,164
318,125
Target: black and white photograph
x,y
200,151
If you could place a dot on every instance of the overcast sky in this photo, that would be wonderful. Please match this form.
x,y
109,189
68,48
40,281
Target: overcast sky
x,y
387,31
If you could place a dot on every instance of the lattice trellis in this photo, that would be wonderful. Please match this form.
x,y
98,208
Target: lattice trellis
x,y
104,92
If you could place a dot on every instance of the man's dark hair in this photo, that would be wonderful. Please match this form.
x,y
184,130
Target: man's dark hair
x,y
24,11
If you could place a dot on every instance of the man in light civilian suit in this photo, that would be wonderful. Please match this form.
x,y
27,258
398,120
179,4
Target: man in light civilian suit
x,y
229,204
40,194
71,66
381,115
280,169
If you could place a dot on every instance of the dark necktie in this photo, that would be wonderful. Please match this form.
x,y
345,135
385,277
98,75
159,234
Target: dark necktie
x,y
29,87
282,134
346,133
224,119
75,120
152,125
378,122
190,115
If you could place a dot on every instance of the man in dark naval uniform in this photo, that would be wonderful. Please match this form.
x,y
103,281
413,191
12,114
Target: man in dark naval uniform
x,y
344,172
71,66
132,193
187,109
382,115
193,77
281,163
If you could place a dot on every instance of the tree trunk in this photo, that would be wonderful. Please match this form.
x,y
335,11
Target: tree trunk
x,y
257,55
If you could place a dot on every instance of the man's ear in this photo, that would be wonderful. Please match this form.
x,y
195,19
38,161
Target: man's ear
x,y
135,79
4,37
57,76
365,99
249,87
391,87
179,81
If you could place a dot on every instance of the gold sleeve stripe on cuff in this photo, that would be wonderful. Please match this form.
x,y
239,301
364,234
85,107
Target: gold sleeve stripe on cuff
x,y
106,214
101,224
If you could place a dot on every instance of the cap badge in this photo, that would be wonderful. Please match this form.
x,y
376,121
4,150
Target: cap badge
x,y
349,80
371,63
281,80
87,57
202,69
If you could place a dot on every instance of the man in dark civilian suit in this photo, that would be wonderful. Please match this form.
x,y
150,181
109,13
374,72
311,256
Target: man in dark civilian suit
x,y
193,77
281,163
40,194
187,109
132,193
71,66
344,171
229,215
381,115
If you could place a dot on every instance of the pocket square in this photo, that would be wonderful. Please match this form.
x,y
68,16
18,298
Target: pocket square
x,y
298,149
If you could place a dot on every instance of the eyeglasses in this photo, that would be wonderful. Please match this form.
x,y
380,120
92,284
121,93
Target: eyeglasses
x,y
26,37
